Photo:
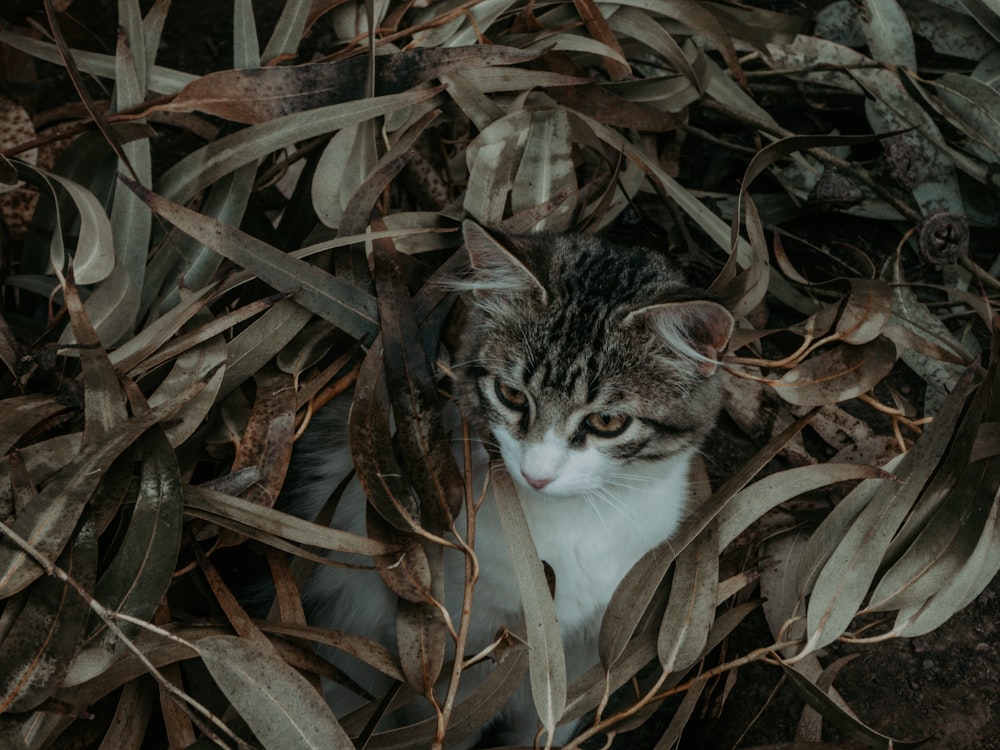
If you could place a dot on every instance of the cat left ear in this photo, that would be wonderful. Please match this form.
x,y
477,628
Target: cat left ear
x,y
497,268
697,329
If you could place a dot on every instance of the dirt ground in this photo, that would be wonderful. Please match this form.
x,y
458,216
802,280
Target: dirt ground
x,y
943,688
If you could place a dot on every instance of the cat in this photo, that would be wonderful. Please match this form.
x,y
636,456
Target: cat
x,y
590,367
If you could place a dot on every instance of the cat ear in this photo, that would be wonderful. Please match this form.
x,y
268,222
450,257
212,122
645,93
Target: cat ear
x,y
497,268
698,329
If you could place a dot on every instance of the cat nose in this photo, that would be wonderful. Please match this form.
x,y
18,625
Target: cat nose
x,y
536,483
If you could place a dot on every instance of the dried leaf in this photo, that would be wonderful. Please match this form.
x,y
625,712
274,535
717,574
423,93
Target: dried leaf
x,y
20,414
980,568
420,636
162,80
255,345
192,265
546,169
266,444
382,480
837,374
36,653
262,94
204,364
330,297
866,312
282,524
346,161
131,719
691,607
473,712
425,450
636,23
545,650
137,577
754,501
977,107
943,533
888,33
279,705
490,177
94,256
597,26
48,522
844,579
783,601
596,102
209,164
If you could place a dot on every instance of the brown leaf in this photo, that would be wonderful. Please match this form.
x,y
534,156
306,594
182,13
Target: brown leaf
x,y
331,297
260,94
602,105
598,27
267,441
420,638
425,450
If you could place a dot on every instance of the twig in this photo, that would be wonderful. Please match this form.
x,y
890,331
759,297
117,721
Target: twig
x,y
186,702
859,173
652,696
471,577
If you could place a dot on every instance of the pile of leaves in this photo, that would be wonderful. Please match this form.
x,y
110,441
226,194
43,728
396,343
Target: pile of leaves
x,y
167,332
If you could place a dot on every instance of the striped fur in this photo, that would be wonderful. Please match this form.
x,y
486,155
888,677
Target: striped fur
x,y
582,326
589,366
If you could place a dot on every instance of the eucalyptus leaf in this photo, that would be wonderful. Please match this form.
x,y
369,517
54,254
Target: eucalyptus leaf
x,y
279,705
844,580
330,297
545,650
137,577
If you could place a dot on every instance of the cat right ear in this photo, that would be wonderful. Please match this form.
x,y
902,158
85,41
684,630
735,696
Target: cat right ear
x,y
497,269
697,329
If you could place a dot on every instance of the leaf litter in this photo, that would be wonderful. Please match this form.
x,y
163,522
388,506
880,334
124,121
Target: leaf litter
x,y
161,335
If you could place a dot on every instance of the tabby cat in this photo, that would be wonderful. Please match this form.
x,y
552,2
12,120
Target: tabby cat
x,y
589,366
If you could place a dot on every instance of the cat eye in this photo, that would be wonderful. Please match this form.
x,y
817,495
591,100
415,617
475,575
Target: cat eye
x,y
510,396
606,425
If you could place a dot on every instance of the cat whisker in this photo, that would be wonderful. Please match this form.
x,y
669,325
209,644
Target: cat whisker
x,y
625,508
614,502
637,478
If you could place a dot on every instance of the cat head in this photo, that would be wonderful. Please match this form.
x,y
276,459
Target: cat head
x,y
581,357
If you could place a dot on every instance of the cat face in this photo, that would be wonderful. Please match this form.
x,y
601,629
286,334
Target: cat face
x,y
585,360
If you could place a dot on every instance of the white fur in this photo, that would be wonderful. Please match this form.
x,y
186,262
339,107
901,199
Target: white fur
x,y
591,524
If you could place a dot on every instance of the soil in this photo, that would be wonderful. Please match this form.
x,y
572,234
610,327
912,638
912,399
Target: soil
x,y
943,688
